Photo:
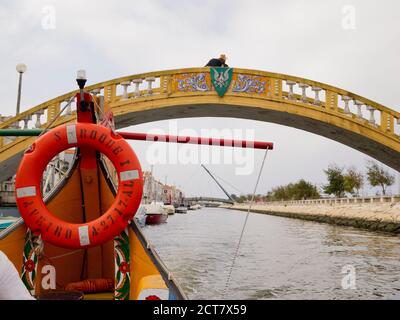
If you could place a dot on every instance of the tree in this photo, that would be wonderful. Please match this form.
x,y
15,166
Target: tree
x,y
269,196
353,181
378,176
335,181
303,190
295,191
280,193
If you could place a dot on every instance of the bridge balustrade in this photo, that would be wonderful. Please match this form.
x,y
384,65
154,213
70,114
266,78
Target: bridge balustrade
x,y
337,201
195,81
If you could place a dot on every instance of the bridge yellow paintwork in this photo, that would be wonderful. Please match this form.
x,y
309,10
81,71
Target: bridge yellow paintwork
x,y
292,101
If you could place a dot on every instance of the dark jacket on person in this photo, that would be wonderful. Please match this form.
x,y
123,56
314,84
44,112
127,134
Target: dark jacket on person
x,y
216,63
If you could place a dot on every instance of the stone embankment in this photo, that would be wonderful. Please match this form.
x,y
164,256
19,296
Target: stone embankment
x,y
372,215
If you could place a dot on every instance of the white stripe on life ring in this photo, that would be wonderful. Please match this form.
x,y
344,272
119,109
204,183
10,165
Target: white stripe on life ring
x,y
71,134
129,175
26,192
84,235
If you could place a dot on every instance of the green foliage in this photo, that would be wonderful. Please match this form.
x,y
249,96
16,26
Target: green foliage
x,y
339,183
280,193
304,190
353,181
336,181
378,176
248,197
294,191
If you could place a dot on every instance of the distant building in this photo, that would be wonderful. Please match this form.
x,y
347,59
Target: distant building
x,y
154,190
7,188
171,194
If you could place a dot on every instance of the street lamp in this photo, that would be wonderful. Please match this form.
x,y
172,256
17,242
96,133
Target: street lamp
x,y
21,68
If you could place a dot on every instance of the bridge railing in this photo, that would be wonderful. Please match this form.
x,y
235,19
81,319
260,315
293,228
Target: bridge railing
x,y
206,199
335,100
197,81
335,201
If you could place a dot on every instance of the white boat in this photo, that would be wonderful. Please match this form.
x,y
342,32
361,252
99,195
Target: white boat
x,y
195,207
181,209
155,213
169,208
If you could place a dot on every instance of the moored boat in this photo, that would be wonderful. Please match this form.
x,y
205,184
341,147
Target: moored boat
x,y
181,209
195,207
155,213
169,208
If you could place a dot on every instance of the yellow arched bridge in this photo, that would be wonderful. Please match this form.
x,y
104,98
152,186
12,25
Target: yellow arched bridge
x,y
312,106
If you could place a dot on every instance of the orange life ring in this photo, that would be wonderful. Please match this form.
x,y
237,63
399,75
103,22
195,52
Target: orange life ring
x,y
69,235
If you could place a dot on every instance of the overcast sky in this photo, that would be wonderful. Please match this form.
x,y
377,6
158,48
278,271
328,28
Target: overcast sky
x,y
109,39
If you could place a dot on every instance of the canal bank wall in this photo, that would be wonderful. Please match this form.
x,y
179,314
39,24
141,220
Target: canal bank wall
x,y
372,216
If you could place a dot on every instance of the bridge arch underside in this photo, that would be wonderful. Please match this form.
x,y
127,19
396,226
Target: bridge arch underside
x,y
350,131
348,136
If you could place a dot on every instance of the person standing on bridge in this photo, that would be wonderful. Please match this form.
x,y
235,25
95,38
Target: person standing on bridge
x,y
220,62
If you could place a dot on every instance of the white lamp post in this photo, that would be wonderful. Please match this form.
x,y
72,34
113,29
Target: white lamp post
x,y
21,68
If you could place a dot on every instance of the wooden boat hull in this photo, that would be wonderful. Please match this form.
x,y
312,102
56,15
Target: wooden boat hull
x,y
156,218
84,186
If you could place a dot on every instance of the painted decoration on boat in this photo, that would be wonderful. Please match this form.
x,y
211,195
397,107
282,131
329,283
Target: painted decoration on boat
x,y
122,266
107,120
192,82
154,294
30,261
221,79
250,84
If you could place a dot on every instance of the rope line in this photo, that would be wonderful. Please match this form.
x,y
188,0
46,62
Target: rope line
x,y
244,227
56,117
228,183
111,125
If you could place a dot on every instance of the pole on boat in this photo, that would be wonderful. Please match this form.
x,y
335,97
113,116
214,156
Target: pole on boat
x,y
197,140
160,138
20,132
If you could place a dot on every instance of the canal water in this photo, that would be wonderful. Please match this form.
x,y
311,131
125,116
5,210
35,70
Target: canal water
x,y
279,258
